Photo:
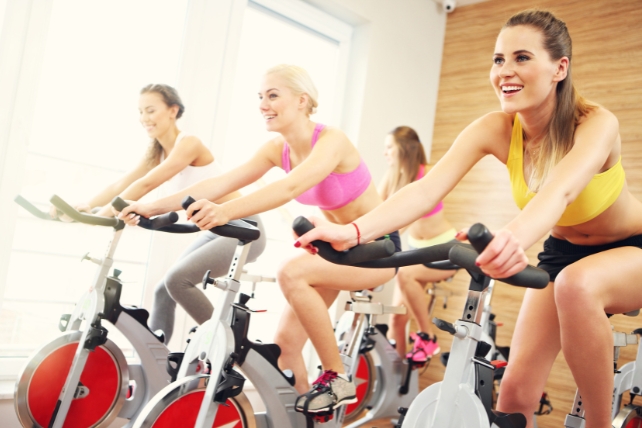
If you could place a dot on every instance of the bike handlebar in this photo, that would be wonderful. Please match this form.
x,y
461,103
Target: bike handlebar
x,y
239,229
462,255
33,209
354,256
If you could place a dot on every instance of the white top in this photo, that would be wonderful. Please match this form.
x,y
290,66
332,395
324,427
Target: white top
x,y
190,174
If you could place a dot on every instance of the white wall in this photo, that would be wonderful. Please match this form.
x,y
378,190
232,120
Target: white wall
x,y
394,70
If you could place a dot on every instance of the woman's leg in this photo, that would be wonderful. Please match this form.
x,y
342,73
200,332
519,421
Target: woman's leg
x,y
410,282
291,337
605,282
398,324
308,282
534,346
163,310
208,252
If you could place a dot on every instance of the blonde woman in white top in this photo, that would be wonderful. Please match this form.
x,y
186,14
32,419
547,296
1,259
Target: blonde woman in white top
x,y
181,160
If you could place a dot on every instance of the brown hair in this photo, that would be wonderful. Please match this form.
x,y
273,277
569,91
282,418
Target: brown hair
x,y
570,106
170,98
411,156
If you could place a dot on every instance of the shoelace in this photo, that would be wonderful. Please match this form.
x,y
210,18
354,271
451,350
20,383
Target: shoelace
x,y
324,380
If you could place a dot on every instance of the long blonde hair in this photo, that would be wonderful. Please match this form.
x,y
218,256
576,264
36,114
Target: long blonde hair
x,y
170,98
570,106
299,82
410,154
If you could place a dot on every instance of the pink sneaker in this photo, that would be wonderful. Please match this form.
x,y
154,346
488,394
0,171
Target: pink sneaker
x,y
423,348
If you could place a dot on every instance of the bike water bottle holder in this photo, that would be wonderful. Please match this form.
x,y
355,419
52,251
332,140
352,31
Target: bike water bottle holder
x,y
174,360
97,336
63,322
231,385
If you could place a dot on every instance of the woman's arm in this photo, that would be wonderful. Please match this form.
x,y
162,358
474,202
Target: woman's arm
x,y
594,142
210,189
330,150
421,196
183,154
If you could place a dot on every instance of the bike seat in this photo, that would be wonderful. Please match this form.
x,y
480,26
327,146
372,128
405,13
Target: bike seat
x,y
141,315
508,420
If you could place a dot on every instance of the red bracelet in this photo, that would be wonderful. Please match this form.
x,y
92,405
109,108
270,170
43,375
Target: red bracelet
x,y
358,233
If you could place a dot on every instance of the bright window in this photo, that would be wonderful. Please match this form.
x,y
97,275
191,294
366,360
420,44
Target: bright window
x,y
274,35
85,134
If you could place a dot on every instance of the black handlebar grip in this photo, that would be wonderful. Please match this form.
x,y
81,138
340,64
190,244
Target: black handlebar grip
x,y
155,223
238,229
119,203
530,277
187,201
82,217
359,254
479,237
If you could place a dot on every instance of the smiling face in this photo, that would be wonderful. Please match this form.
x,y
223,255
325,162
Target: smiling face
x,y
523,74
156,116
391,150
279,105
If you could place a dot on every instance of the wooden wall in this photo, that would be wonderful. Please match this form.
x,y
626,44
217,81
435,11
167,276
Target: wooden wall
x,y
607,69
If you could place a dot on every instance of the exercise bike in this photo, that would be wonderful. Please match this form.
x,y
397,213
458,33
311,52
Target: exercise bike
x,y
628,378
384,380
464,398
219,356
81,378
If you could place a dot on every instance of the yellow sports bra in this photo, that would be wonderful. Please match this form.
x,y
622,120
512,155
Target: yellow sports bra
x,y
597,196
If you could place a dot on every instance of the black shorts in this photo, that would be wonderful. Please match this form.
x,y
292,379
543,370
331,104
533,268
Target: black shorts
x,y
559,253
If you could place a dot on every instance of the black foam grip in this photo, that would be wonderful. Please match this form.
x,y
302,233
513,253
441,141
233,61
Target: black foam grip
x,y
163,221
356,255
119,203
530,277
187,201
479,236
238,229
82,217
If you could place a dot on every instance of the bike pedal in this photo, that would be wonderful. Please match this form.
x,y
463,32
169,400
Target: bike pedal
x,y
323,417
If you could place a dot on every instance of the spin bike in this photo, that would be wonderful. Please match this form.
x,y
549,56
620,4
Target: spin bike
x,y
207,375
82,379
464,398
384,381
628,378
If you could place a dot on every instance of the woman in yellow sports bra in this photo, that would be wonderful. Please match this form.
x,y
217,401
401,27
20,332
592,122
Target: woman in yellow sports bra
x,y
563,156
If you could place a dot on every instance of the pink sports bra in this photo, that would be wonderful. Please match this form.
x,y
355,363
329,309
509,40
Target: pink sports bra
x,y
440,205
336,190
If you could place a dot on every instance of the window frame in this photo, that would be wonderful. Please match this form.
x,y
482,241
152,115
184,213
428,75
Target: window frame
x,y
212,27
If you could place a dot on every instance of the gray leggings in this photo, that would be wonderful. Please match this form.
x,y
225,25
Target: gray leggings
x,y
180,284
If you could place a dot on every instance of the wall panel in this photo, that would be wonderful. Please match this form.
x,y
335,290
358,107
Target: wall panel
x,y
606,66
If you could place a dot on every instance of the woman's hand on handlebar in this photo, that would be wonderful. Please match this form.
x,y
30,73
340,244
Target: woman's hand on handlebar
x,y
342,237
54,213
131,213
503,256
206,214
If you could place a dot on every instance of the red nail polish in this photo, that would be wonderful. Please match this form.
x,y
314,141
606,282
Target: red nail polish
x,y
297,244
477,264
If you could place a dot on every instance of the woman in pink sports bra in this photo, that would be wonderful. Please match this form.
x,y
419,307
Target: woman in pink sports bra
x,y
324,169
407,163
